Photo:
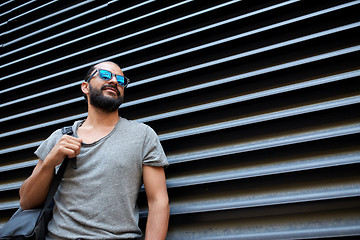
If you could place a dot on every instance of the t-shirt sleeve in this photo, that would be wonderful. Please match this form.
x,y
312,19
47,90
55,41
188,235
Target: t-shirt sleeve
x,y
153,153
45,147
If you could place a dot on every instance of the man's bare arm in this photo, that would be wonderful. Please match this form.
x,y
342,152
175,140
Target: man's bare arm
x,y
158,202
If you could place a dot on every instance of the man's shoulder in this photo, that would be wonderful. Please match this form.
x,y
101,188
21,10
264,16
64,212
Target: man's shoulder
x,y
138,127
134,124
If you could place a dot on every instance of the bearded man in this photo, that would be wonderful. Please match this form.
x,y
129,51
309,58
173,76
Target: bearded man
x,y
114,156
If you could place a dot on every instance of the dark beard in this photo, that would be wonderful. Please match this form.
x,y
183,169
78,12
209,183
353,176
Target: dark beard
x,y
108,104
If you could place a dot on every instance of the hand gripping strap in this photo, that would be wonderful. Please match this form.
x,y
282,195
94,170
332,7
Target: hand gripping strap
x,y
69,131
57,179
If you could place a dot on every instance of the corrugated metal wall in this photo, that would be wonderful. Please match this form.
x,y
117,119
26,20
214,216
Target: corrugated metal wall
x,y
256,104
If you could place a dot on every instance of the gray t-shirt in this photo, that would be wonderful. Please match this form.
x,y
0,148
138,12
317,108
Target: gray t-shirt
x,y
98,200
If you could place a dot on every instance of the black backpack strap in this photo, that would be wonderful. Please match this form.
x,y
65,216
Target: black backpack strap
x,y
59,175
55,184
69,131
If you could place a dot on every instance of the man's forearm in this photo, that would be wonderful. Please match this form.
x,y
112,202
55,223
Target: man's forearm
x,y
34,190
158,220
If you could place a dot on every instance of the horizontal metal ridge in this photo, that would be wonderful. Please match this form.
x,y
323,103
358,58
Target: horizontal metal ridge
x,y
20,147
349,190
9,205
210,84
253,73
246,147
101,31
251,96
32,96
16,8
262,118
4,3
152,44
65,32
10,186
117,39
16,166
307,195
52,106
53,25
198,30
60,12
220,61
266,144
158,42
293,87
156,78
276,198
241,35
23,14
323,230
296,165
237,77
46,124
274,46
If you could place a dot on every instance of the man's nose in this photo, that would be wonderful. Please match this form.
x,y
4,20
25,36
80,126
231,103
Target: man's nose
x,y
113,80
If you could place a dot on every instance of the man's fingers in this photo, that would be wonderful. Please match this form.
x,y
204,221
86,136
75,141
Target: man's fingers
x,y
69,138
70,146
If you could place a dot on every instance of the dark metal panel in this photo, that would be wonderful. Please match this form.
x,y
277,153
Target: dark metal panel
x,y
255,102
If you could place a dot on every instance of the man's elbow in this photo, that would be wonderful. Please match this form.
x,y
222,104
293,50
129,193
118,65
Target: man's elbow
x,y
160,204
24,205
165,205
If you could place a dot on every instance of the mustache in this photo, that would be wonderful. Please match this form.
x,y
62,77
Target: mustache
x,y
111,86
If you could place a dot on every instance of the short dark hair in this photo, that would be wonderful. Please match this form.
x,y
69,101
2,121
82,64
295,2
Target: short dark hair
x,y
91,70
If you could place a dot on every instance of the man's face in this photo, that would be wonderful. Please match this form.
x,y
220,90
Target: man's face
x,y
103,101
106,95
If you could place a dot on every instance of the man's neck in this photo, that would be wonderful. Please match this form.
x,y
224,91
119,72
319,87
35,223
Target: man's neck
x,y
100,118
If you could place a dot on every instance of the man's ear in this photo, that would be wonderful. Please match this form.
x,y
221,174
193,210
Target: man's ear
x,y
85,87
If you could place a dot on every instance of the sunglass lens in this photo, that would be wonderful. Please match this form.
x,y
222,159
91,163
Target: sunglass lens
x,y
121,80
106,75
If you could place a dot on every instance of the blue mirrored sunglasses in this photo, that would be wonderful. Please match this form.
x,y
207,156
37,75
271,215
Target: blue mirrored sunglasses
x,y
107,76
